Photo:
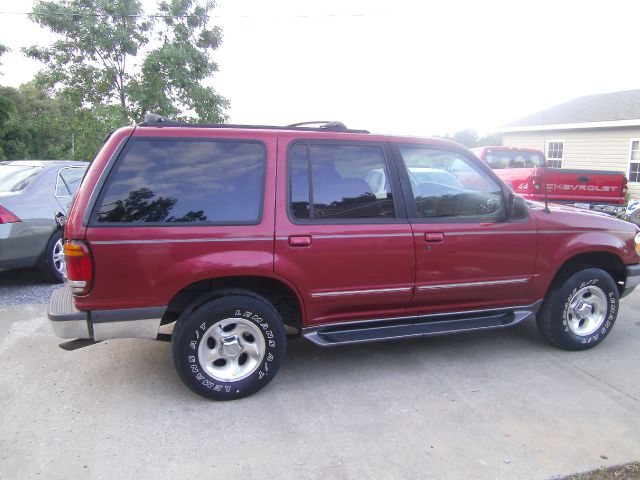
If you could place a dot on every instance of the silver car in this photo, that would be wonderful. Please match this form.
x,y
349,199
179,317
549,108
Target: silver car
x,y
33,193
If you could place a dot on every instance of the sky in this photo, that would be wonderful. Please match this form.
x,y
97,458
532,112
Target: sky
x,y
400,67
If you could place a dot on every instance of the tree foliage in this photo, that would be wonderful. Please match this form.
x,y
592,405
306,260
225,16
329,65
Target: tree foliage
x,y
3,50
110,53
41,125
6,105
470,138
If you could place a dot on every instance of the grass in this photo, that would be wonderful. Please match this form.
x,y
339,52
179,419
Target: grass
x,y
630,471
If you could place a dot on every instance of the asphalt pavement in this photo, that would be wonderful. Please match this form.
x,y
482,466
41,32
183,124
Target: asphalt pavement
x,y
499,404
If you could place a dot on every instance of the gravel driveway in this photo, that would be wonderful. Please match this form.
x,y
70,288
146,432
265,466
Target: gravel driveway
x,y
18,287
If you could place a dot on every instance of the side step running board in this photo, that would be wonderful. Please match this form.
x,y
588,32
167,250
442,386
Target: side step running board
x,y
407,327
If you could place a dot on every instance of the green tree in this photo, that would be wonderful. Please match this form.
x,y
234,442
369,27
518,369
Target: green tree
x,y
6,105
3,50
470,139
491,139
46,126
110,53
172,73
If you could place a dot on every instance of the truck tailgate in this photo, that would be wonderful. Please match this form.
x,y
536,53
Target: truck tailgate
x,y
586,185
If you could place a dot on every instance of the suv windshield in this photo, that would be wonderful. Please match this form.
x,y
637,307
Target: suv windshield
x,y
14,178
514,159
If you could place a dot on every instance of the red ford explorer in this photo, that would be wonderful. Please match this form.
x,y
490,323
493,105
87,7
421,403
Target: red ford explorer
x,y
242,235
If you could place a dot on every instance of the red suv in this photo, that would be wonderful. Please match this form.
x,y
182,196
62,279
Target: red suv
x,y
244,235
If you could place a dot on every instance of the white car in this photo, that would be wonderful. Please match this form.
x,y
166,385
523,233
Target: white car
x,y
417,175
632,212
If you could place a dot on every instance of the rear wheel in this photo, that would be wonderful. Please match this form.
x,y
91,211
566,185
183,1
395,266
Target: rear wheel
x,y
579,312
53,266
229,347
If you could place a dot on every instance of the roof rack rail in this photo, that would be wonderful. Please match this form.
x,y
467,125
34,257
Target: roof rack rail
x,y
154,120
323,124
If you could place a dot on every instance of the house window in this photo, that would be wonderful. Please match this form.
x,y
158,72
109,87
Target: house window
x,y
555,153
634,161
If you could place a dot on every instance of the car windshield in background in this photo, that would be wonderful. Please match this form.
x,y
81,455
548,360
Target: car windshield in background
x,y
14,178
514,159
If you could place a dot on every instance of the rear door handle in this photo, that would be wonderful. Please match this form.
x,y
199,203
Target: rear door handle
x,y
434,237
300,240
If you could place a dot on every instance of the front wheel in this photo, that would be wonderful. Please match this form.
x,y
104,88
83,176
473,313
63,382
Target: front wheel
x,y
229,347
579,312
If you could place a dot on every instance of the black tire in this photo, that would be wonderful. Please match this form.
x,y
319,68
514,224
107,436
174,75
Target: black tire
x,y
558,321
47,265
202,323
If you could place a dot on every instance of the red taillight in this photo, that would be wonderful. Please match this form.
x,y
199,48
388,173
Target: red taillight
x,y
625,185
79,266
7,217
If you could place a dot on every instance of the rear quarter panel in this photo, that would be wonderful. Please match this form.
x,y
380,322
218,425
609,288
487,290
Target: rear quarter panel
x,y
145,266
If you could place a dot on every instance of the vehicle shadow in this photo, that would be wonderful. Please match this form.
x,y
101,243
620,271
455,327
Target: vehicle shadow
x,y
382,365
20,277
22,286
472,346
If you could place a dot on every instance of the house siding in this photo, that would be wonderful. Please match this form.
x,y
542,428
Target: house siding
x,y
601,149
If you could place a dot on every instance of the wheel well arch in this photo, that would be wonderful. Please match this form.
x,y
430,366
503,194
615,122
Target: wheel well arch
x,y
283,297
607,261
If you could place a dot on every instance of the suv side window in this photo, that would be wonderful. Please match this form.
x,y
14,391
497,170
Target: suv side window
x,y
68,181
159,181
339,182
447,185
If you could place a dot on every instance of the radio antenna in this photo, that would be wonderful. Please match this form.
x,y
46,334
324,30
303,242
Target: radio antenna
x,y
544,169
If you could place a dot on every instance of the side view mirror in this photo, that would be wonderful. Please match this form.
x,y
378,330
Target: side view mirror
x,y
516,206
60,219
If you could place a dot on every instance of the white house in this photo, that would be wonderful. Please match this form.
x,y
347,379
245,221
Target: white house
x,y
599,132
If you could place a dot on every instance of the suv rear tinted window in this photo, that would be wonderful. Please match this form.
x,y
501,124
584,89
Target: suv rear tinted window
x,y
345,182
185,181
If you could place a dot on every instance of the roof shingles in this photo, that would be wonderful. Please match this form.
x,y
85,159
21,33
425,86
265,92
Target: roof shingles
x,y
592,108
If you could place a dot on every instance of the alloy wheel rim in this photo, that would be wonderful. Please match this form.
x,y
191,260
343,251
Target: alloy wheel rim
x,y
587,310
59,262
231,349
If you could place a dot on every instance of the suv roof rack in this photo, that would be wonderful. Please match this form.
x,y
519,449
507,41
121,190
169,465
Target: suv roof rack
x,y
154,120
322,124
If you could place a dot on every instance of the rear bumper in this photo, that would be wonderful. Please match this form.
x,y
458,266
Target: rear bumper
x,y
610,208
604,207
69,322
632,280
